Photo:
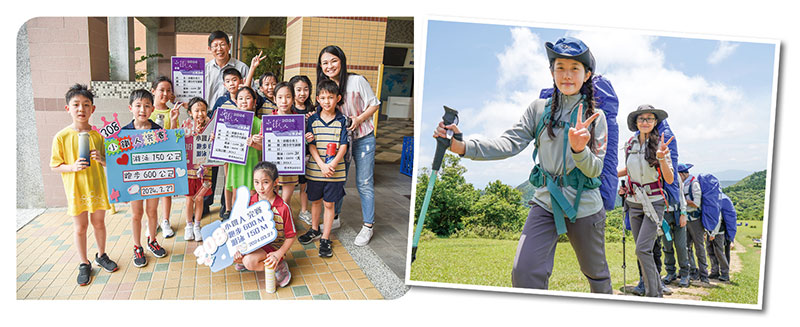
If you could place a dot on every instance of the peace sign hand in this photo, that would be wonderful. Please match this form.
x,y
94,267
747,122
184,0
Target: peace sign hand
x,y
579,135
663,149
256,60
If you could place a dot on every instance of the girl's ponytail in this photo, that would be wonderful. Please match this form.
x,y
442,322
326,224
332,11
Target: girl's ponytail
x,y
553,112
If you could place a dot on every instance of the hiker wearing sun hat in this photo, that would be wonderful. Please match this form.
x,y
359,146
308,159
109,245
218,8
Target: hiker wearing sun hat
x,y
646,165
695,230
570,137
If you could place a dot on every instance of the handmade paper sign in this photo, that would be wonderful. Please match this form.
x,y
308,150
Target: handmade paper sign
x,y
249,228
231,130
143,164
213,252
198,146
284,142
188,75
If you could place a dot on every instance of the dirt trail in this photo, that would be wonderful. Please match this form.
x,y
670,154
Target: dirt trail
x,y
696,289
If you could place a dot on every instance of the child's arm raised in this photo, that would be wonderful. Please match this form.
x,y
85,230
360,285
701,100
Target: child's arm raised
x,y
248,80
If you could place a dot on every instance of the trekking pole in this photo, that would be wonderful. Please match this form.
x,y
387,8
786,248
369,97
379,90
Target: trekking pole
x,y
450,117
624,277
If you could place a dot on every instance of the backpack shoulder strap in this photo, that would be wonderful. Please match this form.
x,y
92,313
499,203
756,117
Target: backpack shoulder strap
x,y
540,127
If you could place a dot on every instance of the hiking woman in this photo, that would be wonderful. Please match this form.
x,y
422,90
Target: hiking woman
x,y
570,139
647,160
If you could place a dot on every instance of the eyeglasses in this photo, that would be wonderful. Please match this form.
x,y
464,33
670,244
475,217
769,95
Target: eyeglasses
x,y
218,46
646,120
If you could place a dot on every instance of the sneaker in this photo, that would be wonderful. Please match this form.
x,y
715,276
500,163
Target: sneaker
x,y
336,224
684,282
139,259
713,276
694,274
188,232
704,279
724,278
305,216
325,248
669,278
282,274
363,236
196,231
166,229
157,250
225,215
239,267
84,274
309,236
107,264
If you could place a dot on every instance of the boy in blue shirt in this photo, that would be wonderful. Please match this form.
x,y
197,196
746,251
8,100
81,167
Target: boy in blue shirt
x,y
141,106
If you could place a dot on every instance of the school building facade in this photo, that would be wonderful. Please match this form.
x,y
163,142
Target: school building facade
x,y
54,53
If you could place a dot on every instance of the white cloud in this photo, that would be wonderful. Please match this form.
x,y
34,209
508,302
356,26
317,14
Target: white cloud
x,y
724,50
711,120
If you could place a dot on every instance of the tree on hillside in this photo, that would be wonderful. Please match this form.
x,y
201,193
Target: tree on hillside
x,y
451,200
499,206
748,196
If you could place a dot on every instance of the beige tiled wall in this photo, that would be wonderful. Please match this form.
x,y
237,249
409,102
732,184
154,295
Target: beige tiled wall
x,y
60,56
361,38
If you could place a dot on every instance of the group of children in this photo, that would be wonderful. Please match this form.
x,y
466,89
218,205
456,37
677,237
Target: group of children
x,y
323,184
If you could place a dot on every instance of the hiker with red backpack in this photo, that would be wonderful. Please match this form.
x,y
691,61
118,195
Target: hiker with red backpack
x,y
647,162
571,137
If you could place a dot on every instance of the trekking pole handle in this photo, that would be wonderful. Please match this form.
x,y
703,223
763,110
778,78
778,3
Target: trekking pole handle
x,y
450,117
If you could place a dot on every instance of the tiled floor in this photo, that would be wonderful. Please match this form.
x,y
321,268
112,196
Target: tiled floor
x,y
47,267
47,262
390,139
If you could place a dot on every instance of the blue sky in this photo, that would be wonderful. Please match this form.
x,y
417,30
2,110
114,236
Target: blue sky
x,y
718,92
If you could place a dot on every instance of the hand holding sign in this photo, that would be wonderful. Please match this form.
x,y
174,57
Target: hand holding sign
x,y
248,229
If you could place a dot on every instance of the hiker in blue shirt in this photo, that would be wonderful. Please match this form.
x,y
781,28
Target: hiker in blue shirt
x,y
568,118
696,233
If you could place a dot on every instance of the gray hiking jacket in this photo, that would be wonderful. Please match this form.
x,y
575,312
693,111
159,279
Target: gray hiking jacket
x,y
550,155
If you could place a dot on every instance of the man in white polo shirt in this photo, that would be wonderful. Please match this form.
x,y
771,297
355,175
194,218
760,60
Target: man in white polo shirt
x,y
219,46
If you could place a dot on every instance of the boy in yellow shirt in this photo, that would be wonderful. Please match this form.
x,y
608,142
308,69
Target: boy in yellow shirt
x,y
84,181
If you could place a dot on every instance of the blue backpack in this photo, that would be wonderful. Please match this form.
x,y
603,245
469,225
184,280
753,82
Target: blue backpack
x,y
728,216
710,202
606,100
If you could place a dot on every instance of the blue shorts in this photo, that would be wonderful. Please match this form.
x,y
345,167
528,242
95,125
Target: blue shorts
x,y
327,191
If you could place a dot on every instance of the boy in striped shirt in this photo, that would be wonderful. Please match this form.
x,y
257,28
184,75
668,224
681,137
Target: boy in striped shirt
x,y
325,174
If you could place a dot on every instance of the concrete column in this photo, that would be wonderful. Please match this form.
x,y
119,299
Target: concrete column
x,y
30,187
120,46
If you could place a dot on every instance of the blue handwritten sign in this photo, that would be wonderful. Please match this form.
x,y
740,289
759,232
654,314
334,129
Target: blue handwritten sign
x,y
188,76
284,142
143,164
249,228
213,252
231,130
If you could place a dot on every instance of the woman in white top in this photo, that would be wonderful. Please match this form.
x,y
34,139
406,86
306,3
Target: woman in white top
x,y
359,105
646,161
